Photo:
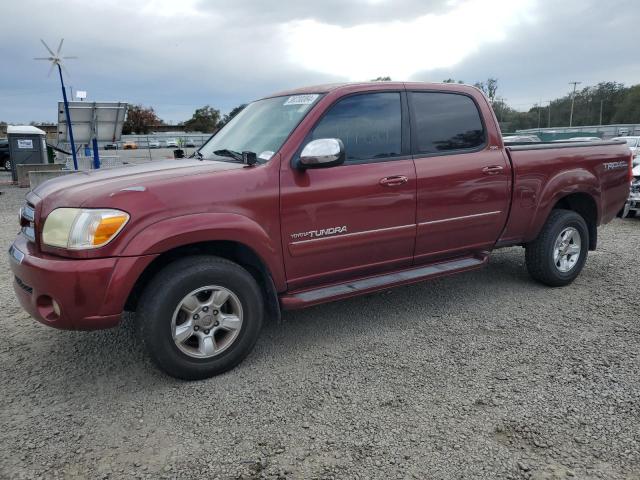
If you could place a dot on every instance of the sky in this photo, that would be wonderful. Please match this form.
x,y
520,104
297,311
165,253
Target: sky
x,y
178,55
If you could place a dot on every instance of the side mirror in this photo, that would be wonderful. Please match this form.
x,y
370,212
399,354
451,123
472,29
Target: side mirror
x,y
322,153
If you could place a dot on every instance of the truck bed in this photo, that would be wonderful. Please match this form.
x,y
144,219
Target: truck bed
x,y
540,180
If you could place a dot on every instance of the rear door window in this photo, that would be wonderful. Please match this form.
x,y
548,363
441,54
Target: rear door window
x,y
445,122
369,125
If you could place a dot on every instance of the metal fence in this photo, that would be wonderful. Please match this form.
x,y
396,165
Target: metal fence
x,y
86,163
144,148
602,131
156,140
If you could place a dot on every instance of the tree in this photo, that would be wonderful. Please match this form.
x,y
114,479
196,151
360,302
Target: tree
x,y
140,120
451,80
489,88
606,103
205,120
628,110
381,79
227,118
492,88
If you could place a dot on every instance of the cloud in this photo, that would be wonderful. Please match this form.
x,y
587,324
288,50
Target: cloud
x,y
179,55
402,48
588,41
333,12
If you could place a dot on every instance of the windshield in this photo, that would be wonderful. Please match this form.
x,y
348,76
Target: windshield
x,y
261,127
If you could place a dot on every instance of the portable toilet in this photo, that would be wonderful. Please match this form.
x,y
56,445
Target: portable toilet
x,y
27,144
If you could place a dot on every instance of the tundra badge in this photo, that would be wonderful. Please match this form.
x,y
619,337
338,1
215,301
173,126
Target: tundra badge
x,y
319,233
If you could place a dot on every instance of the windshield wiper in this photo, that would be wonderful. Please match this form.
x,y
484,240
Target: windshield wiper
x,y
229,153
197,155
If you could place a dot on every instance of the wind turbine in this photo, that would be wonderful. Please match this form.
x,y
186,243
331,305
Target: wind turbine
x,y
56,61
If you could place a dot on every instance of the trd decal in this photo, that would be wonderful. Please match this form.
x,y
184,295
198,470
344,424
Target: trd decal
x,y
615,165
319,233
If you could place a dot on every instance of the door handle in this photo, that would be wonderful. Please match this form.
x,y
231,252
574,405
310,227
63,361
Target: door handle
x,y
393,181
492,170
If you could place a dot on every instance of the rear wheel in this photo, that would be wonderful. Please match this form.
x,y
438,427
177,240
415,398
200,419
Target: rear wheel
x,y
559,253
200,317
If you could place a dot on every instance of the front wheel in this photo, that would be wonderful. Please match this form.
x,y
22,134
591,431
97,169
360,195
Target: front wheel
x,y
559,253
200,316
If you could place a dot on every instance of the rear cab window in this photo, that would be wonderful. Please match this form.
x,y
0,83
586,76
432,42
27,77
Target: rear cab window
x,y
445,123
369,125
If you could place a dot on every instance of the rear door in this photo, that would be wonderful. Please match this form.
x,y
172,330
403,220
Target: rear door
x,y
463,181
357,218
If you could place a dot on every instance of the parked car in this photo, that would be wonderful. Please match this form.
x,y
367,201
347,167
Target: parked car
x,y
154,144
579,139
172,143
632,207
190,143
520,139
111,146
5,156
634,145
308,196
130,145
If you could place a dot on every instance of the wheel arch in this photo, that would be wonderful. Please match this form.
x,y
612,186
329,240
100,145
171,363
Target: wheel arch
x,y
577,190
585,206
234,251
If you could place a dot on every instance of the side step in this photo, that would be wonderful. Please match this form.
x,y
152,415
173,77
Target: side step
x,y
306,298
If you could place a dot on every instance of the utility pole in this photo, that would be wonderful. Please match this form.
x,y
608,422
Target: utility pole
x,y
539,107
601,101
549,119
573,98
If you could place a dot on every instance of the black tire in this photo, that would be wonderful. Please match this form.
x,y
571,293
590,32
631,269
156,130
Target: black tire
x,y
6,165
164,293
631,214
539,253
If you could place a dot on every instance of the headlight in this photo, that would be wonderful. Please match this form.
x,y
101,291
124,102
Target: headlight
x,y
82,228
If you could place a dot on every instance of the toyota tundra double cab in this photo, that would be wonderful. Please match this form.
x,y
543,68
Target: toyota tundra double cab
x,y
306,196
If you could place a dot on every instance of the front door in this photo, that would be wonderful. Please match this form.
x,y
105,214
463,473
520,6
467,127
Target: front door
x,y
463,181
358,218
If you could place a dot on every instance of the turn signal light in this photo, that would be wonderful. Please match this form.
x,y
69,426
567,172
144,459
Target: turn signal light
x,y
107,228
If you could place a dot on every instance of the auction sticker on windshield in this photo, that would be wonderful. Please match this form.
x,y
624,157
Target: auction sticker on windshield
x,y
301,99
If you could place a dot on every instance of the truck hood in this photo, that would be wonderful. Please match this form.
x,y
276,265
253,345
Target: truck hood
x,y
77,188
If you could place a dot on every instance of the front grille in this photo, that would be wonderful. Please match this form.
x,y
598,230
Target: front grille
x,y
28,212
24,286
27,221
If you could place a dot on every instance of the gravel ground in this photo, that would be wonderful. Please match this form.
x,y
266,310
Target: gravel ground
x,y
482,375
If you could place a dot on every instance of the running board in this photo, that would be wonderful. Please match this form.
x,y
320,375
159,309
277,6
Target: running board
x,y
306,298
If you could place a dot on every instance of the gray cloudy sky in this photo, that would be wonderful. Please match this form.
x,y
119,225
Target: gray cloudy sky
x,y
177,55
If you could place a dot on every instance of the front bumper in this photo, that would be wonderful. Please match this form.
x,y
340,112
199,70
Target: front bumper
x,y
89,293
634,203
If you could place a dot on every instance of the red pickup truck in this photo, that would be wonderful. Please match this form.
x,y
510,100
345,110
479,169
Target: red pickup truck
x,y
306,196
